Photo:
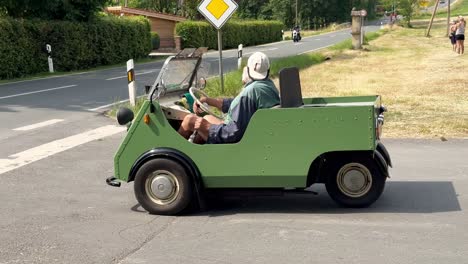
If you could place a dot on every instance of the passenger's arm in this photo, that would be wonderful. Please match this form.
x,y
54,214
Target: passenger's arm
x,y
233,131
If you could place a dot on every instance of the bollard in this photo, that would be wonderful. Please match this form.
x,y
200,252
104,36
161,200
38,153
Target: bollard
x,y
357,28
239,56
131,82
49,58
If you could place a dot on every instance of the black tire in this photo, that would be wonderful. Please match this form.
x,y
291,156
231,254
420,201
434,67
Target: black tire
x,y
164,171
351,171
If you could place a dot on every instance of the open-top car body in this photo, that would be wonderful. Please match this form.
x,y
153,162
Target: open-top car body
x,y
302,141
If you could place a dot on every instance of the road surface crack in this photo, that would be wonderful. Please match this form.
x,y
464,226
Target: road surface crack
x,y
148,239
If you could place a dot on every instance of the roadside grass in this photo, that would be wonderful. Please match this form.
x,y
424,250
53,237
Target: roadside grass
x,y
233,83
139,102
421,80
459,8
99,68
347,44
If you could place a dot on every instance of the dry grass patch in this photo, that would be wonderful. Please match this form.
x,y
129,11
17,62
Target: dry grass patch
x,y
422,81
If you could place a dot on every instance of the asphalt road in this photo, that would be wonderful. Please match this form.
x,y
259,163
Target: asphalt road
x,y
60,211
57,148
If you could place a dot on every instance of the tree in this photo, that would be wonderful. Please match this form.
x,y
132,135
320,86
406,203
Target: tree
x,y
407,9
189,8
73,10
251,9
163,6
311,13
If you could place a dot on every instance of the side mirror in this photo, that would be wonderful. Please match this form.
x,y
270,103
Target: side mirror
x,y
201,83
124,116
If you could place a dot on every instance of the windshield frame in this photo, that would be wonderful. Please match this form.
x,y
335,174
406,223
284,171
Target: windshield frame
x,y
158,85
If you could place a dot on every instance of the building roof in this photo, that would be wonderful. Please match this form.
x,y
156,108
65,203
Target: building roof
x,y
147,13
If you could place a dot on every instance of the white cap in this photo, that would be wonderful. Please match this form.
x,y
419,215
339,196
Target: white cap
x,y
258,66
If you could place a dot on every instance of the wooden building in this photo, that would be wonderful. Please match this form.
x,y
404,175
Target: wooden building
x,y
163,24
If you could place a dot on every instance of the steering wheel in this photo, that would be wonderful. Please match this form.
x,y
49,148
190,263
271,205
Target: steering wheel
x,y
196,94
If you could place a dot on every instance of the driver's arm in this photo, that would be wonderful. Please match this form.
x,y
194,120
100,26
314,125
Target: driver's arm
x,y
220,103
215,102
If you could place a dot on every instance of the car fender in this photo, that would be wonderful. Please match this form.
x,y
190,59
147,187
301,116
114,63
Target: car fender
x,y
173,154
382,164
383,151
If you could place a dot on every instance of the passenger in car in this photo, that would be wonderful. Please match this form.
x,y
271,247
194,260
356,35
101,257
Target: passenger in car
x,y
259,92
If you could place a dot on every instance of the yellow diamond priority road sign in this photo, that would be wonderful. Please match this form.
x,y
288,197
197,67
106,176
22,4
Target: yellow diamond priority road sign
x,y
217,11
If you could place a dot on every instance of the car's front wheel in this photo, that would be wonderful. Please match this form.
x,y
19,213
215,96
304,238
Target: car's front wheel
x,y
162,186
355,180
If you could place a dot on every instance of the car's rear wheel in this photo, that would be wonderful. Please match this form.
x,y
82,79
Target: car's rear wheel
x,y
162,186
355,180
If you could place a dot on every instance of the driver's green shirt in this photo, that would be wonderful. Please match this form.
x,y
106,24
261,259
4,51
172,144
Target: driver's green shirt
x,y
256,95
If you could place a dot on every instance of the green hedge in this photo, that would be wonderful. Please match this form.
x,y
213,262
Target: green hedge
x,y
155,40
75,46
248,33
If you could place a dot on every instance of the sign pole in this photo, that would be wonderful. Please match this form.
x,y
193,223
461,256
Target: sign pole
x,y
218,12
448,19
220,48
432,18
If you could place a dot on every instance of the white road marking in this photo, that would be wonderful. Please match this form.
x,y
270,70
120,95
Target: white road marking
x,y
317,39
315,49
297,44
136,74
46,78
39,125
46,150
40,91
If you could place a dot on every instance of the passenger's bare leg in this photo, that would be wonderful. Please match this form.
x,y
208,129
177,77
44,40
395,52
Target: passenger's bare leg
x,y
192,122
186,128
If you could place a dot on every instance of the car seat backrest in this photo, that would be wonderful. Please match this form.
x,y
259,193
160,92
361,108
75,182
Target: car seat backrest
x,y
290,88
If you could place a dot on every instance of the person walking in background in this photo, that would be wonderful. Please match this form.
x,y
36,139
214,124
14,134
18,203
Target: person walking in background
x,y
453,29
460,35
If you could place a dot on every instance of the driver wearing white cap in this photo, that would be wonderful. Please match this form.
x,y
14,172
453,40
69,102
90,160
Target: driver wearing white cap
x,y
259,92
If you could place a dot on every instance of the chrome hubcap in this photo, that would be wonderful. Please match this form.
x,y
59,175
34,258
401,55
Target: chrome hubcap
x,y
162,187
354,180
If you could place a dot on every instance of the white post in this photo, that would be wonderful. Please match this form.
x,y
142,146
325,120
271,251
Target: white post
x,y
131,82
239,56
49,58
220,48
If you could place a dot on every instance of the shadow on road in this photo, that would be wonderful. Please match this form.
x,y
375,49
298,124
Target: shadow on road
x,y
398,197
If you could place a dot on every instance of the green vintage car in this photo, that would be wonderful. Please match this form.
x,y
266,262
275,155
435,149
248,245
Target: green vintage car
x,y
303,141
